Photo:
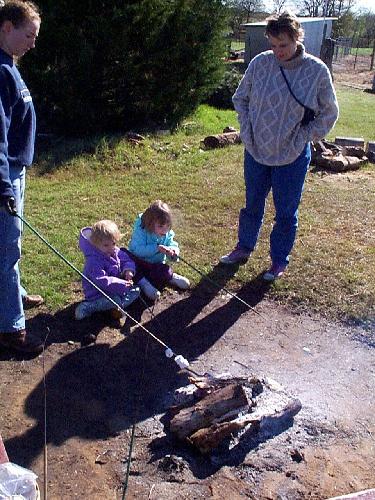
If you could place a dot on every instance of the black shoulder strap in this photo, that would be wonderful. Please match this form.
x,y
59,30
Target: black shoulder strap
x,y
290,90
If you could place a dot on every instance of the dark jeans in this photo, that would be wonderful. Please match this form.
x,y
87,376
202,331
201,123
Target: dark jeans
x,y
158,274
287,183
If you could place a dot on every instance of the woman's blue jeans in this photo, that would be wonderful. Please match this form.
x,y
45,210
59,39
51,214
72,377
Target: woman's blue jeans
x,y
287,183
12,316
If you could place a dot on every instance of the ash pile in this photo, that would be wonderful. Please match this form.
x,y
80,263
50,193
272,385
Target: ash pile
x,y
225,410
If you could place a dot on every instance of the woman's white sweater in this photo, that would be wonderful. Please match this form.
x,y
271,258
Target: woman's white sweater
x,y
269,116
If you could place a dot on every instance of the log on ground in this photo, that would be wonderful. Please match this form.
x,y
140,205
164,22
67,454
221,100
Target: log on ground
x,y
222,140
206,411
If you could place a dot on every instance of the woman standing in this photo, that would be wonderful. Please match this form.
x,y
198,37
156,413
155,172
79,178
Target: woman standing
x,y
285,100
19,28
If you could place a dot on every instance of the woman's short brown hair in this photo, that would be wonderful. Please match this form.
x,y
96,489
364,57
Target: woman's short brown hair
x,y
156,212
287,23
18,11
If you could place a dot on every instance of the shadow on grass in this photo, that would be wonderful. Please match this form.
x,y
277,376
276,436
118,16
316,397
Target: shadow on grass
x,y
99,391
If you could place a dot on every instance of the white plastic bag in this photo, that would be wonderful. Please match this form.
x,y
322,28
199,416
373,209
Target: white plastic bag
x,y
17,483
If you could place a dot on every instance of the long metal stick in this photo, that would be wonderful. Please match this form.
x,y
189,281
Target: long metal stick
x,y
45,454
219,286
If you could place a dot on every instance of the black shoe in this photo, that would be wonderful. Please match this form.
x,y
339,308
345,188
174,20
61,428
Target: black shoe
x,y
21,341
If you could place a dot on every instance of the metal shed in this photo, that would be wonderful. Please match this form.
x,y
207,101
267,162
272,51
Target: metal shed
x,y
316,30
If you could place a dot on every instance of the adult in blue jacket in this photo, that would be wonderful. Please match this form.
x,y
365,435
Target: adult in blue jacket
x,y
19,28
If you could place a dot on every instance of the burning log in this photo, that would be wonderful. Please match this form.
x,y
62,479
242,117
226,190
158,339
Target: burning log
x,y
208,410
262,405
207,384
208,439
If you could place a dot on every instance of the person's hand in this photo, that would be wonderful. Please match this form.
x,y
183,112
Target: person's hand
x,y
167,251
10,204
128,283
128,275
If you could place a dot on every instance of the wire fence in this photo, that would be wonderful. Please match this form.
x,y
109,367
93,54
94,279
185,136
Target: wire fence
x,y
359,51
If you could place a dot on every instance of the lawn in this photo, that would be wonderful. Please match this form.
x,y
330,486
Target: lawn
x,y
76,183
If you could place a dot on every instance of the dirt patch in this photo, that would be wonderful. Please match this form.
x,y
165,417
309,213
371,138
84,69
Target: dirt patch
x,y
352,73
95,393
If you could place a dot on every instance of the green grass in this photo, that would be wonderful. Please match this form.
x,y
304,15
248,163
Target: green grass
x,y
361,51
237,45
79,182
357,115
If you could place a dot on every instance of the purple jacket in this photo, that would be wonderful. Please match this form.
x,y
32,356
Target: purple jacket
x,y
103,270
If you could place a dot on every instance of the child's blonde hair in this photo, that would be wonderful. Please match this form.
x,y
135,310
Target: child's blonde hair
x,y
103,230
156,212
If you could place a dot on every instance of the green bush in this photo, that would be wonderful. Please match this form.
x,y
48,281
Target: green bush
x,y
105,66
222,95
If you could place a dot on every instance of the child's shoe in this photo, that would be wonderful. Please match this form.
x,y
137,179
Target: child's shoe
x,y
149,290
116,314
275,272
88,339
83,310
180,281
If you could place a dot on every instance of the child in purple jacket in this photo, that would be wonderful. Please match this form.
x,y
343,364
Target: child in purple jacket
x,y
108,267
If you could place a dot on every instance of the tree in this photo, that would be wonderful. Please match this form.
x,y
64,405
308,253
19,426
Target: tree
x,y
140,63
245,9
328,8
368,26
279,5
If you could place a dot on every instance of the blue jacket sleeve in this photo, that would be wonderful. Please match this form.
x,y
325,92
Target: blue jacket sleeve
x,y
171,243
141,245
5,114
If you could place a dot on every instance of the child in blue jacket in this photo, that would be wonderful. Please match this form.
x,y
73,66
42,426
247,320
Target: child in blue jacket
x,y
152,244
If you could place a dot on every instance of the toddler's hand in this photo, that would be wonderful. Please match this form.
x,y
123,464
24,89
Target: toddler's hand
x,y
163,249
168,251
128,274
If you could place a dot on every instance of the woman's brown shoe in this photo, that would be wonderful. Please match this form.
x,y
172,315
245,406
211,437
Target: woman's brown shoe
x,y
21,341
30,301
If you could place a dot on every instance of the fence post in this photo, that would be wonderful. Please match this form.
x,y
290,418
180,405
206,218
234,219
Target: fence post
x,y
372,56
356,54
